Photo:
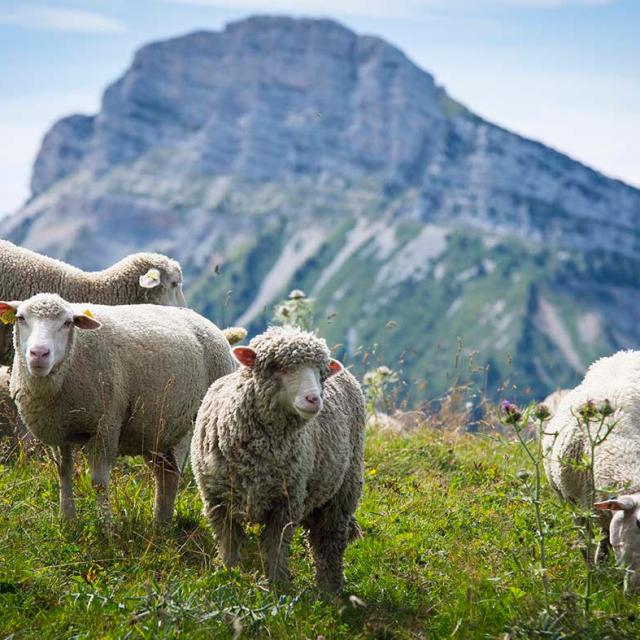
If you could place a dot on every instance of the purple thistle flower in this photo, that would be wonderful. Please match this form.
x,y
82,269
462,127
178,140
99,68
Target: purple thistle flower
x,y
511,412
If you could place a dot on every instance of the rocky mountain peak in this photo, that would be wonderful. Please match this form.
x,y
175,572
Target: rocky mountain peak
x,y
265,99
286,153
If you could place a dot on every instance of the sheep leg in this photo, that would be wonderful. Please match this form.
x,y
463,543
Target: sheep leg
x,y
166,473
227,531
329,532
274,544
64,462
99,468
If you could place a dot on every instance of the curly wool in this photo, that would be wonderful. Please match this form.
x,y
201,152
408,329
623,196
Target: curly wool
x,y
289,347
255,462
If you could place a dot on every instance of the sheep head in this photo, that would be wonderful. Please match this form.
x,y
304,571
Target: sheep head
x,y
290,367
624,533
44,328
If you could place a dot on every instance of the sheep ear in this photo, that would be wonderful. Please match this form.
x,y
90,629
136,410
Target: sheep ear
x,y
8,312
85,322
245,356
621,503
335,366
150,279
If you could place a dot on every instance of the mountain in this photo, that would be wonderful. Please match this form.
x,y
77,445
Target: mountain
x,y
285,153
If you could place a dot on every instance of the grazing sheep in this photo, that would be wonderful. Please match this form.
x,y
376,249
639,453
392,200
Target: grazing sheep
x,y
615,379
133,387
139,278
280,442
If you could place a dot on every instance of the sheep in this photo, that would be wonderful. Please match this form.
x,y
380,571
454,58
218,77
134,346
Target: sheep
x,y
280,442
612,384
138,278
119,380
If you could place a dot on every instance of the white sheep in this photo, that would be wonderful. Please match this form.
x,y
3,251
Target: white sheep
x,y
137,279
280,442
616,461
133,387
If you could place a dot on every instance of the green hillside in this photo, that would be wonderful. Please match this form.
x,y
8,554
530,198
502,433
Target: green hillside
x,y
495,311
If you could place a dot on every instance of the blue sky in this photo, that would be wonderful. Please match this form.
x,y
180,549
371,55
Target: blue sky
x,y
565,72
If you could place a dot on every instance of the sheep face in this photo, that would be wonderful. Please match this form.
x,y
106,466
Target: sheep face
x,y
624,534
44,327
294,389
164,285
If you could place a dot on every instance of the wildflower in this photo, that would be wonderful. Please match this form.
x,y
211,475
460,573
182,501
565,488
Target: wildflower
x,y
588,410
541,412
605,409
511,412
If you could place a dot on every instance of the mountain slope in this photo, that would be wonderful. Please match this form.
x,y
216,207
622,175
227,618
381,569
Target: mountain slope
x,y
297,153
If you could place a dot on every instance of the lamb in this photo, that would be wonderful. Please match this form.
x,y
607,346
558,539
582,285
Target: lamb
x,y
132,387
280,442
615,379
137,279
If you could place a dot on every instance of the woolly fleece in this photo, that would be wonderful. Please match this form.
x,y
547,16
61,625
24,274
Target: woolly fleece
x,y
131,387
25,273
256,463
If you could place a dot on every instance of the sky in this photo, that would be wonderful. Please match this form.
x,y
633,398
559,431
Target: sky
x,y
564,72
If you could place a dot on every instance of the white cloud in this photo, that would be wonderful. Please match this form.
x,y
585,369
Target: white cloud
x,y
60,19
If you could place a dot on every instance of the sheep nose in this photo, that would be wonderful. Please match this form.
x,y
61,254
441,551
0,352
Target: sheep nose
x,y
312,399
39,352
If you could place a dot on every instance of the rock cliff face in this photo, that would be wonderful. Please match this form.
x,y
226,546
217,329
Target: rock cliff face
x,y
295,152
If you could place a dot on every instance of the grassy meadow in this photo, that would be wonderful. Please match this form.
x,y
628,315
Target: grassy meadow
x,y
448,551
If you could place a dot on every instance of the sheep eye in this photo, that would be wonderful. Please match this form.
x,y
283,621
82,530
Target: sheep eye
x,y
638,523
67,324
175,284
281,371
20,319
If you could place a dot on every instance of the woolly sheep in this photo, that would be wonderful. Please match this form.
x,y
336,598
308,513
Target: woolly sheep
x,y
132,387
280,442
139,278
616,460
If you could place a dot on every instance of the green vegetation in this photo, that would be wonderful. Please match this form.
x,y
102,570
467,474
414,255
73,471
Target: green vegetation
x,y
483,311
449,550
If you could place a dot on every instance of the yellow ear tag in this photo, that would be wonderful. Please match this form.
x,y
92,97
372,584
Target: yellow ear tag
x,y
8,316
154,274
88,313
